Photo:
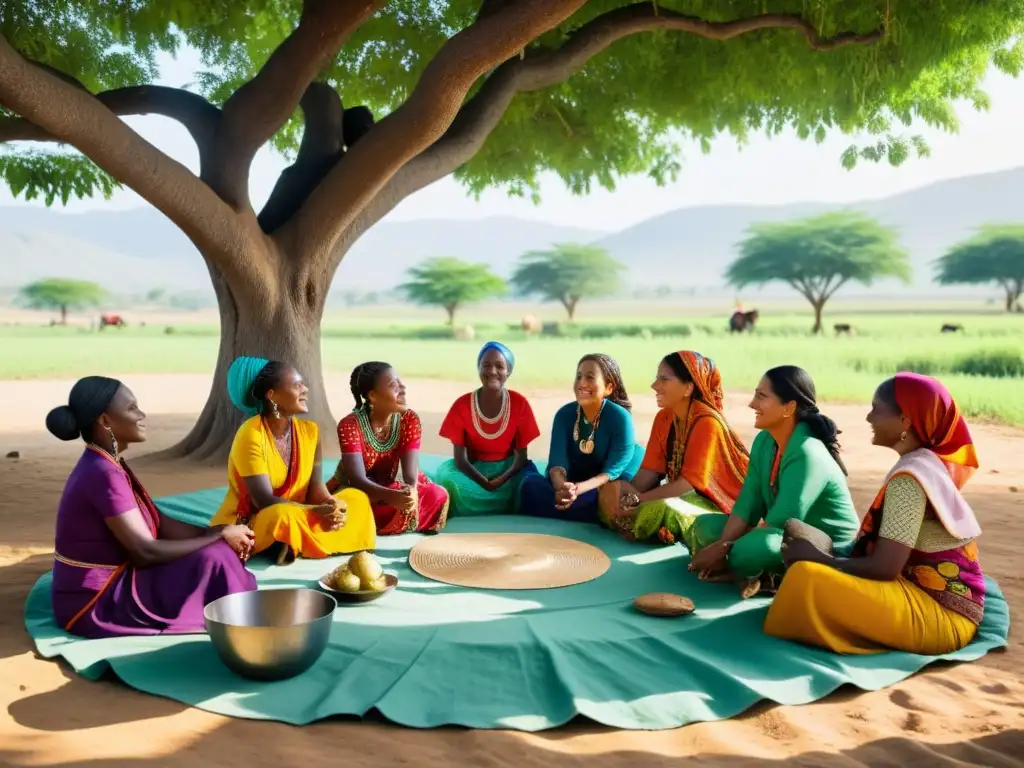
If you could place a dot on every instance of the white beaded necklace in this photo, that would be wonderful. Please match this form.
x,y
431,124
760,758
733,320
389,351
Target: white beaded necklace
x,y
479,419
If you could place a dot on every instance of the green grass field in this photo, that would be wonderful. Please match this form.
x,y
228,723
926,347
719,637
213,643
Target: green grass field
x,y
983,367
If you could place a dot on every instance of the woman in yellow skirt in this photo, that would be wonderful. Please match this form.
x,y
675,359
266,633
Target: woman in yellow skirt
x,y
913,582
275,481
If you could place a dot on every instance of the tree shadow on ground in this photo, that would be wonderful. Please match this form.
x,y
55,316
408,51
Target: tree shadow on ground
x,y
361,745
16,580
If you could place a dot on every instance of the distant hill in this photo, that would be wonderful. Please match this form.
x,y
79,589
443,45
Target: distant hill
x,y
139,249
693,245
136,250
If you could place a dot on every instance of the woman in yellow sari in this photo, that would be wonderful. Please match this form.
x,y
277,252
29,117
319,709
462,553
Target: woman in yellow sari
x,y
912,581
275,480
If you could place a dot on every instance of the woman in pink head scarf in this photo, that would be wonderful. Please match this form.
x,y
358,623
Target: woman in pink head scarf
x,y
913,581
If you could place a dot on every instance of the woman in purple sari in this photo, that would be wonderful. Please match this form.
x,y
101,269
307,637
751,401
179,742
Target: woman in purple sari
x,y
121,567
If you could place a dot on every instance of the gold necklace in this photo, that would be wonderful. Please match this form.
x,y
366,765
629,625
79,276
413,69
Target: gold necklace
x,y
504,413
587,445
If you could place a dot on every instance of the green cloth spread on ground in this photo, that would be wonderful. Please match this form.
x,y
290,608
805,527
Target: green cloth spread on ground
x,y
430,654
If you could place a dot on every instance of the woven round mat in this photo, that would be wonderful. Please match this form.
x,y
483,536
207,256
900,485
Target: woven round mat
x,y
507,560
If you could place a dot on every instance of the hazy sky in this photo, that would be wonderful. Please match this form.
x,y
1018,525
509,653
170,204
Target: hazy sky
x,y
776,171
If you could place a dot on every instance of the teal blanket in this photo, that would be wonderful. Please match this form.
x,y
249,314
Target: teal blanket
x,y
430,654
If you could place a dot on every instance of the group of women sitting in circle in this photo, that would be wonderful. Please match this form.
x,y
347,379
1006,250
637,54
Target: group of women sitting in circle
x,y
775,520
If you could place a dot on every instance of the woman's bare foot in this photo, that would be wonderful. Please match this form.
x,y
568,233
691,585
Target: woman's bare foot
x,y
749,587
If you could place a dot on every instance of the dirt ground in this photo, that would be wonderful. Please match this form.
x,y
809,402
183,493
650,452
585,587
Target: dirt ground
x,y
952,715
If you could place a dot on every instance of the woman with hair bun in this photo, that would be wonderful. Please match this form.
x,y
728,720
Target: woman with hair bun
x,y
275,480
795,474
121,567
380,436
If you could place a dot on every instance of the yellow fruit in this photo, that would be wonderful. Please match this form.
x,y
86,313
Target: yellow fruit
x,y
378,585
348,582
365,566
949,570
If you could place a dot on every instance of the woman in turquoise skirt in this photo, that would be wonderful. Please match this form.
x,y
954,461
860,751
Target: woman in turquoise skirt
x,y
490,430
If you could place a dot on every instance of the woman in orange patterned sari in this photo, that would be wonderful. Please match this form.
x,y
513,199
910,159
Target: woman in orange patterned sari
x,y
913,582
380,436
694,462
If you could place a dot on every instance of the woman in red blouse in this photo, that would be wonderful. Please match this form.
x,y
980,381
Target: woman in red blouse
x,y
490,430
380,435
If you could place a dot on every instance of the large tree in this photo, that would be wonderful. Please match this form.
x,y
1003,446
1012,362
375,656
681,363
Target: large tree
x,y
496,91
568,273
994,255
451,283
819,255
62,294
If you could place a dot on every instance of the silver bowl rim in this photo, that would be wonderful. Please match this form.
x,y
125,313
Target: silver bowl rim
x,y
329,614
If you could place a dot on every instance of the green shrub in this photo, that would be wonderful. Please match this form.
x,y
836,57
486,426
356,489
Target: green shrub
x,y
920,365
634,331
996,364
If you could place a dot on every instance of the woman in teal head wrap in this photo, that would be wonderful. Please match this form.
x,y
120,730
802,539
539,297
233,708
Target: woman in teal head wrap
x,y
242,374
275,481
490,430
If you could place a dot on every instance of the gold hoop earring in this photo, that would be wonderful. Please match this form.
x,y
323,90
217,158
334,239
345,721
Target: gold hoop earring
x,y
275,412
113,445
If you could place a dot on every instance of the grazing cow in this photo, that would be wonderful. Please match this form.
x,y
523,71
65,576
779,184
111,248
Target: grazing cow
x,y
842,328
530,324
115,320
952,328
743,321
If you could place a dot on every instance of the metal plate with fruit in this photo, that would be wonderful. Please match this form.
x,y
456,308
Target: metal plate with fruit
x,y
360,580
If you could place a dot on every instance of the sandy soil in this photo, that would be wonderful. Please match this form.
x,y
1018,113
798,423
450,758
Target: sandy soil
x,y
952,715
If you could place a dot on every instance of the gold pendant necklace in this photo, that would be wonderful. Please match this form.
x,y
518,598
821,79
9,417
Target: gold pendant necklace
x,y
586,445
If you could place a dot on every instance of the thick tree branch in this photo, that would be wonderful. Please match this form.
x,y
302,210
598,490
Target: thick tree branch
x,y
257,110
538,70
417,123
72,115
322,146
832,291
189,109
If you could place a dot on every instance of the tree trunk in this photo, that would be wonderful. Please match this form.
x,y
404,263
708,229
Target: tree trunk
x,y
63,314
1011,299
818,305
570,307
272,322
450,309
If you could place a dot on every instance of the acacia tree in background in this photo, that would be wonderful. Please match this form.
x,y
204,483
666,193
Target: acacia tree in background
x,y
994,255
496,91
451,283
568,273
60,294
819,255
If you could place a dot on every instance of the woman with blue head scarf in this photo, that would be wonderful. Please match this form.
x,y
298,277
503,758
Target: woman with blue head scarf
x,y
275,479
490,430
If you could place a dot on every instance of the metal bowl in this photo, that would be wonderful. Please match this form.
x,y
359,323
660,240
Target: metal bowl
x,y
363,595
270,634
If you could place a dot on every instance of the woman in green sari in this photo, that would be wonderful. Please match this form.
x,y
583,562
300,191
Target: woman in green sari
x,y
795,473
490,430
